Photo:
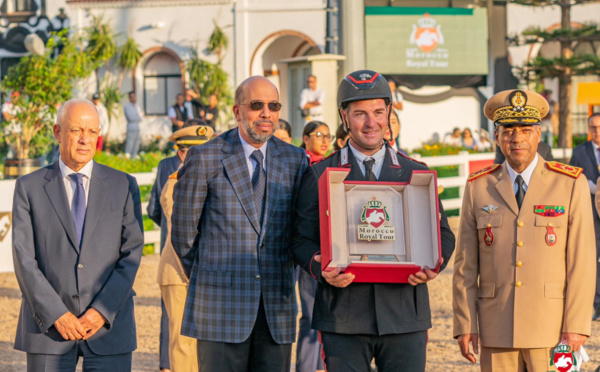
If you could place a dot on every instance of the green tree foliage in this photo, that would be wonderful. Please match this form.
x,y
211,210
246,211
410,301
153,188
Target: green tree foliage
x,y
111,98
129,56
565,66
43,83
210,78
101,46
218,42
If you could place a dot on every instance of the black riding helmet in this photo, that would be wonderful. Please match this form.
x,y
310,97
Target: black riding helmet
x,y
362,85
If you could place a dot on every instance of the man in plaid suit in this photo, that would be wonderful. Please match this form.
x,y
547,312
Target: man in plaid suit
x,y
232,218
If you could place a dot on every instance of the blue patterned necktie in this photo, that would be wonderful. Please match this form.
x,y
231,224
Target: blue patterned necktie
x,y
78,205
259,181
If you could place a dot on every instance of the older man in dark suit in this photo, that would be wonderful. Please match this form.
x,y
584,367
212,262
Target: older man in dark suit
x,y
232,218
587,156
77,245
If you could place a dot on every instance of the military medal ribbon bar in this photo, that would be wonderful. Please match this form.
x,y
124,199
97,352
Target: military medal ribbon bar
x,y
549,210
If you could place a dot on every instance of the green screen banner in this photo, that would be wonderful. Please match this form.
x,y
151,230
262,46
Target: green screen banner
x,y
427,41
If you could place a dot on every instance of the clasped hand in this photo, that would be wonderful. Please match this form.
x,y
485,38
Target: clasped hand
x,y
72,328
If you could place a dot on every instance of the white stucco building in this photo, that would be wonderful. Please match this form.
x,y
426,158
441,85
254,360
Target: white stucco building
x,y
263,33
260,32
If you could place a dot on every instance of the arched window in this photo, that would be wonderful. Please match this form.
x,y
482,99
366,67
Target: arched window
x,y
162,83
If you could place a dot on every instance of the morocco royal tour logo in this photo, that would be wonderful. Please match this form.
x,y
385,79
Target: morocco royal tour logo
x,y
427,34
562,358
375,214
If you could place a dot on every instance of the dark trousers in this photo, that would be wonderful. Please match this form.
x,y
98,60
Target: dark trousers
x,y
259,353
353,353
68,362
163,341
308,348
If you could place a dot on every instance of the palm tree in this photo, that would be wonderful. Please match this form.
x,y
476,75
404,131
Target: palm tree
x,y
101,44
218,42
129,57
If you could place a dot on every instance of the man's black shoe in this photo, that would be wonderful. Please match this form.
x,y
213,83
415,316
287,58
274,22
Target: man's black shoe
x,y
596,315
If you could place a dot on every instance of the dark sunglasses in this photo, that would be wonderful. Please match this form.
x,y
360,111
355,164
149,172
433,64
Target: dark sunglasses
x,y
258,105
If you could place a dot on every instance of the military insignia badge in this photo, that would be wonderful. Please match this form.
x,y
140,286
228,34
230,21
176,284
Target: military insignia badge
x,y
549,210
489,208
375,215
562,357
518,98
488,237
550,235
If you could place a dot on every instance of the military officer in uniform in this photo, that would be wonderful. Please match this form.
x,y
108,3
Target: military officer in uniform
x,y
526,249
172,279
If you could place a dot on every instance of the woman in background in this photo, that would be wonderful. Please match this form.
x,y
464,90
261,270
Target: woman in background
x,y
393,136
341,137
468,141
316,140
283,131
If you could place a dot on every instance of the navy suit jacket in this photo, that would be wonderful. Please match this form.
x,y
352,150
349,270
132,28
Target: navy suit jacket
x,y
56,275
361,308
230,257
584,157
166,167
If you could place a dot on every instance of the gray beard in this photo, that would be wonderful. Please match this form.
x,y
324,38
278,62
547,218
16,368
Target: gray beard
x,y
258,138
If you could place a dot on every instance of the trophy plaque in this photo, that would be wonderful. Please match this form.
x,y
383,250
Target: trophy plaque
x,y
379,231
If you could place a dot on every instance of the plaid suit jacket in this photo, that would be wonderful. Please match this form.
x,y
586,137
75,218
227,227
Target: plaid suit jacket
x,y
231,261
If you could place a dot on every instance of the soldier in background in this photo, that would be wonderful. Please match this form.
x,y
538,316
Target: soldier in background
x,y
172,279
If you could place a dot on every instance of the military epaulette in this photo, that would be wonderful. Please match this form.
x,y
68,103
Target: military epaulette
x,y
173,176
569,170
483,171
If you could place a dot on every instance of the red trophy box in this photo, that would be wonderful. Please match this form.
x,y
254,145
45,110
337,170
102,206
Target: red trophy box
x,y
379,231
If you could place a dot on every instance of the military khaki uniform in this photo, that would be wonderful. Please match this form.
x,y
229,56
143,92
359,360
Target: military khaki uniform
x,y
173,285
521,277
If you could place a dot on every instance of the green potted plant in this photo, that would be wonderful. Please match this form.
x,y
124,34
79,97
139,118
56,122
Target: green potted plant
x,y
43,82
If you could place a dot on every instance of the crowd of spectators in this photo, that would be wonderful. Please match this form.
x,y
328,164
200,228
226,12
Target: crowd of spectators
x,y
465,138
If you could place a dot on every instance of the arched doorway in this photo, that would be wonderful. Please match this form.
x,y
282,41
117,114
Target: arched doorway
x,y
163,79
278,46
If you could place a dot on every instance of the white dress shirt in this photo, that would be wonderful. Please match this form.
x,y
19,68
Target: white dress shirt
x,y
308,95
379,157
526,174
70,184
248,150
